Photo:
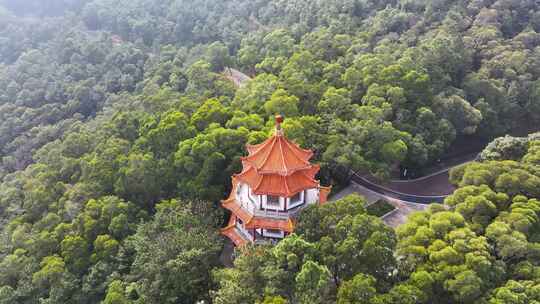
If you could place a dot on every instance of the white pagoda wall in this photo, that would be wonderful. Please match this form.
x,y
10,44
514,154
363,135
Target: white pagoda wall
x,y
310,196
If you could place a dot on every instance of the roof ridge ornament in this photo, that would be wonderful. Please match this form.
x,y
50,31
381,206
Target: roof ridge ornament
x,y
279,121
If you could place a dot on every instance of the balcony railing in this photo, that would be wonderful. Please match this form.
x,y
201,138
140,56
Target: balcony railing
x,y
244,233
277,213
260,239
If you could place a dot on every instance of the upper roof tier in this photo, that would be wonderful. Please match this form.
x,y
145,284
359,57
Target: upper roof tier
x,y
278,155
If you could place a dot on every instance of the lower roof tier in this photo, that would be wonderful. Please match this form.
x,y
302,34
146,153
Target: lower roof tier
x,y
236,237
255,222
279,185
324,192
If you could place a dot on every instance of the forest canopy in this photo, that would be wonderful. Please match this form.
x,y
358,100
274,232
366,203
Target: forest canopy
x,y
119,131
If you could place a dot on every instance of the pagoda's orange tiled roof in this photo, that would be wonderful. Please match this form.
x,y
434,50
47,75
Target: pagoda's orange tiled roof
x,y
232,233
286,225
323,194
278,166
277,155
232,205
279,185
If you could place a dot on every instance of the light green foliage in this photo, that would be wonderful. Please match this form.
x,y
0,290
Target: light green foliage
x,y
211,111
307,131
336,102
359,290
313,283
75,251
105,248
163,135
394,151
533,153
487,238
115,294
512,177
52,268
217,54
274,300
365,145
464,117
138,179
479,205
281,103
505,148
515,292
248,121
276,47
253,96
203,82
244,283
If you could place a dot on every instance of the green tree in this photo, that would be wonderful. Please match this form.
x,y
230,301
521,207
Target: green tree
x,y
116,294
282,103
211,111
52,269
75,251
313,283
207,161
360,289
174,254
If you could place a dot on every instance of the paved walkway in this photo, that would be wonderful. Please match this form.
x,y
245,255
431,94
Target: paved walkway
x,y
238,78
403,209
437,184
369,195
226,256
397,217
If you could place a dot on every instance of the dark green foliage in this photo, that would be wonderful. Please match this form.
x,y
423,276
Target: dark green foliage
x,y
174,254
379,208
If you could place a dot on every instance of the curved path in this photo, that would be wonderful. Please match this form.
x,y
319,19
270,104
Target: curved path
x,y
434,184
407,196
428,189
387,192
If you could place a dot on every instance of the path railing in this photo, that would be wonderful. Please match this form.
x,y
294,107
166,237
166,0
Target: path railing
x,y
420,199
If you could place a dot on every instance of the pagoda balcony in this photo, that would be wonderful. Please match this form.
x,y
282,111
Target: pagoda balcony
x,y
279,214
244,233
254,235
270,213
262,240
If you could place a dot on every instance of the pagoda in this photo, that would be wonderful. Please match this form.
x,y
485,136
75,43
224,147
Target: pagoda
x,y
276,183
